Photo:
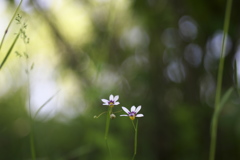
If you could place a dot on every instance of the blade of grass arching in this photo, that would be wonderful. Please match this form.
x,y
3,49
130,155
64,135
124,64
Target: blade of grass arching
x,y
44,104
6,31
215,121
225,99
9,51
219,83
32,144
235,73
236,77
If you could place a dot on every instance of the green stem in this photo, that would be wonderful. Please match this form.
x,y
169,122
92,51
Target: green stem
x,y
5,33
108,122
32,144
213,136
107,129
108,148
135,138
219,83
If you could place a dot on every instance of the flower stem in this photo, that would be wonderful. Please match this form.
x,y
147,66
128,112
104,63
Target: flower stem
x,y
108,122
32,144
107,129
135,138
219,83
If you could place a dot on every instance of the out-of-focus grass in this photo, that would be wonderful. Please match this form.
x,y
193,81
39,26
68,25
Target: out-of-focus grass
x,y
141,55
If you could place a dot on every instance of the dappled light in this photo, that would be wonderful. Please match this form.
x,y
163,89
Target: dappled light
x,y
214,44
119,79
170,38
176,72
188,28
134,38
193,54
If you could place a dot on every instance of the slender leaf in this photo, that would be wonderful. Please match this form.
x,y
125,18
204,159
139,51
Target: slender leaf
x,y
44,104
5,33
218,102
9,51
224,99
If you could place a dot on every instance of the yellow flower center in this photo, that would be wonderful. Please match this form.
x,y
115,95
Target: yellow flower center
x,y
111,104
132,117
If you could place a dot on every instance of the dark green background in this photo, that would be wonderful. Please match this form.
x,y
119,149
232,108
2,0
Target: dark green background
x,y
177,114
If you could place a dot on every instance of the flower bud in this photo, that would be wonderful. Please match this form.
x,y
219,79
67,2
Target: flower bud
x,y
112,116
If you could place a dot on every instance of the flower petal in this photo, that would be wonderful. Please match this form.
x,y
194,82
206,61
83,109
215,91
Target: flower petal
x,y
138,109
111,97
116,98
133,108
139,115
125,110
105,100
116,103
124,115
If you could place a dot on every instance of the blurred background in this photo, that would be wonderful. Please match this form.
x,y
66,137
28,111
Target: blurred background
x,y
161,54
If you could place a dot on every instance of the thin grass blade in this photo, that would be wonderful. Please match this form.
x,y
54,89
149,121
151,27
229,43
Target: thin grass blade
x,y
9,51
5,33
44,104
224,99
218,101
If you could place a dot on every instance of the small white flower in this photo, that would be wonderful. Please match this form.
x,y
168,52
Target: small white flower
x,y
112,101
133,112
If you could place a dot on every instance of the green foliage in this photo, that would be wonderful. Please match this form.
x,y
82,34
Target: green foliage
x,y
136,49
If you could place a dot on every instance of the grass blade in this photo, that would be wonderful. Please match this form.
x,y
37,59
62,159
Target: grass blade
x,y
10,50
44,104
5,33
218,103
225,99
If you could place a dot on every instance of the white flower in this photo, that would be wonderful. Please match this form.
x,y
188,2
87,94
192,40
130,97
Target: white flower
x,y
133,112
112,101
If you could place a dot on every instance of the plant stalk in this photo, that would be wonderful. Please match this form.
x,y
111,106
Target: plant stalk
x,y
107,129
32,144
219,83
135,138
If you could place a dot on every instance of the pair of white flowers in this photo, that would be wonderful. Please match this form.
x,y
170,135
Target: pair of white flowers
x,y
131,114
